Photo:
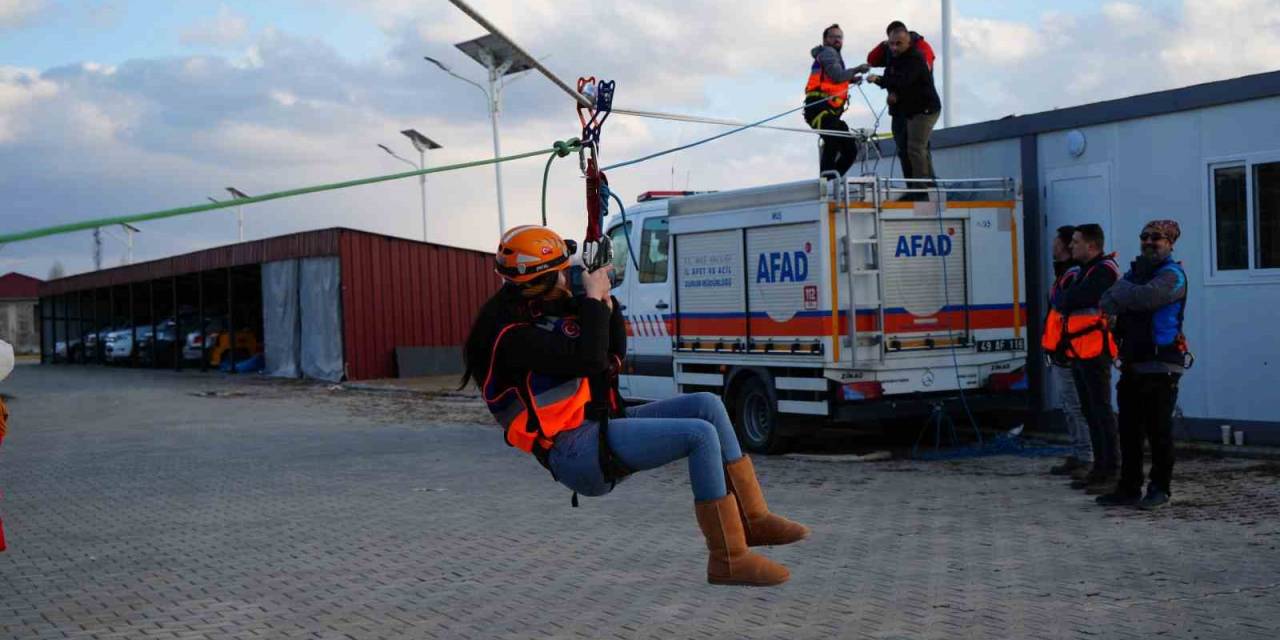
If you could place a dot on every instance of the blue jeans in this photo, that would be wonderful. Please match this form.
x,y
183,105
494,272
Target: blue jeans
x,y
694,426
1077,426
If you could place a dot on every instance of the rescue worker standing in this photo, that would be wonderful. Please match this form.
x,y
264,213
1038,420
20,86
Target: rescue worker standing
x,y
1150,302
828,87
879,57
547,362
1084,338
913,97
880,54
1066,270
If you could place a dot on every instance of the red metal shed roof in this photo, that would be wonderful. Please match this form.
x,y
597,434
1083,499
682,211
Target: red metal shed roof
x,y
18,285
307,244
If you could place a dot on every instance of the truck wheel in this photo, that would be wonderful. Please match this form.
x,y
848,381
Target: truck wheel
x,y
757,418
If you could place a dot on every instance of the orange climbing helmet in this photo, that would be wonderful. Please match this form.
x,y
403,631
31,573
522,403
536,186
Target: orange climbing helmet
x,y
529,251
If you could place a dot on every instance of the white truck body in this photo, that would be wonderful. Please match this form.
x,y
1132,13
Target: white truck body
x,y
762,282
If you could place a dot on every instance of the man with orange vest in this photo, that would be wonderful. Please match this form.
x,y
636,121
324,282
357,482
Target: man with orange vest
x,y
826,96
547,363
1066,270
1078,331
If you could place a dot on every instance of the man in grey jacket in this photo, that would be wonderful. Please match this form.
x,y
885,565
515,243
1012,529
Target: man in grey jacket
x,y
1150,302
826,98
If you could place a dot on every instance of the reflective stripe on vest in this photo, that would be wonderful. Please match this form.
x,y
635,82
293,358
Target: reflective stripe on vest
x,y
558,404
819,85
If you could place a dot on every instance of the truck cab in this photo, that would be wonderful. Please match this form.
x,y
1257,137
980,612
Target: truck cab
x,y
643,277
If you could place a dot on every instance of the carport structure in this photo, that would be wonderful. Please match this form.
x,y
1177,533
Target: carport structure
x,y
330,304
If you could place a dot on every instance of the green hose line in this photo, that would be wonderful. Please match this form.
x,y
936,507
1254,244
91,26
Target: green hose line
x,y
561,148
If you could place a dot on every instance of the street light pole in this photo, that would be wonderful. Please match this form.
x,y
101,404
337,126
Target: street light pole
x,y
946,63
422,144
422,189
129,230
500,60
238,194
495,105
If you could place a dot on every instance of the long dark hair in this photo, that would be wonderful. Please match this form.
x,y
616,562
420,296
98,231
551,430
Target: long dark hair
x,y
512,303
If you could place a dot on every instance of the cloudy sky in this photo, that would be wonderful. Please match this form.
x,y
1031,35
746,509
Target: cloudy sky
x,y
112,107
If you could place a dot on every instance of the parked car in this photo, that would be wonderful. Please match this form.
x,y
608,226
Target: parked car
x,y
158,348
90,342
120,343
66,352
217,343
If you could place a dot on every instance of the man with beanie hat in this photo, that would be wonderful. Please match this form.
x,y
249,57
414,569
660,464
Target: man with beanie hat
x,y
1149,302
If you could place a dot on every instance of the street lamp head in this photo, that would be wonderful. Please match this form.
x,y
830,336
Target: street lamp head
x,y
420,142
213,200
438,64
236,193
129,227
493,52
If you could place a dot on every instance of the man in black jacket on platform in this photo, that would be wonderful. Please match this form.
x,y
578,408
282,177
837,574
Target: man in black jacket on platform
x,y
913,100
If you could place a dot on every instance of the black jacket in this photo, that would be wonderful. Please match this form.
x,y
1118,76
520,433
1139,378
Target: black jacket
x,y
549,346
909,77
1086,290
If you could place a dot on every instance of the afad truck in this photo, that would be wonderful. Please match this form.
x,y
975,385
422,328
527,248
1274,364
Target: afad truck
x,y
824,302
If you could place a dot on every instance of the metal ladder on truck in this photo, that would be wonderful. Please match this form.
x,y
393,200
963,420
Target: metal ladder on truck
x,y
862,225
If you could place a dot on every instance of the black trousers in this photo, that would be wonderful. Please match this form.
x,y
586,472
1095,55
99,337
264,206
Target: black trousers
x,y
1093,384
1146,415
838,152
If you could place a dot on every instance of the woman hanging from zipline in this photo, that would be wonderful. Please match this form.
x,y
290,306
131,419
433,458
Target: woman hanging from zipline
x,y
547,363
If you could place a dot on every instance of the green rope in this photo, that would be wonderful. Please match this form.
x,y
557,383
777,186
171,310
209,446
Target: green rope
x,y
561,148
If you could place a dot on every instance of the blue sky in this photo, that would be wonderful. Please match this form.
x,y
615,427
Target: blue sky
x,y
110,107
113,31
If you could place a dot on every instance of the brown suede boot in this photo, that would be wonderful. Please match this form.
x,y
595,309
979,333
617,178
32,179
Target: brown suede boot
x,y
761,527
730,561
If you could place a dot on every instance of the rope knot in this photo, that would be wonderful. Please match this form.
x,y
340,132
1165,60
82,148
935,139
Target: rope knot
x,y
565,147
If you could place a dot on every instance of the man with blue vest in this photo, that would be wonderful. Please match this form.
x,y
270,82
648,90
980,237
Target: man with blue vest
x,y
1149,303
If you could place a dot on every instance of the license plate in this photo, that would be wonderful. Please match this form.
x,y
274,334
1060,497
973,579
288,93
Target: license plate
x,y
1008,344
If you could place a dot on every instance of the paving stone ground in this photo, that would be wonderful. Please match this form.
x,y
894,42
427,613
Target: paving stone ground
x,y
161,505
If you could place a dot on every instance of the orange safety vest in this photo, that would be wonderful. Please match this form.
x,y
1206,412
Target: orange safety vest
x,y
532,412
820,85
1083,334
